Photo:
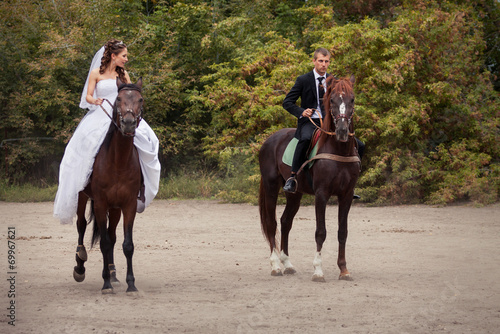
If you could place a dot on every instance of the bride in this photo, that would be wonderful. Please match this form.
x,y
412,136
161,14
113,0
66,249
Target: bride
x,y
79,155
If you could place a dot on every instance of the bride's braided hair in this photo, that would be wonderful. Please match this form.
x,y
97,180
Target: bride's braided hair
x,y
113,46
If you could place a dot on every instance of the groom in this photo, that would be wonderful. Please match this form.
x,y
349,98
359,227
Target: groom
x,y
310,88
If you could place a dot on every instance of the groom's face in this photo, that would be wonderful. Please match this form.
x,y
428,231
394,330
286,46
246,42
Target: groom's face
x,y
321,63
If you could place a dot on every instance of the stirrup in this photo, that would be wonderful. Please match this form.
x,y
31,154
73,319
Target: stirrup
x,y
296,185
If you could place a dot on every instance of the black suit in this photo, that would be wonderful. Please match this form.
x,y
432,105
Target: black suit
x,y
305,88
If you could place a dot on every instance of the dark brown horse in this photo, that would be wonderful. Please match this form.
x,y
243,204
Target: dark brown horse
x,y
113,188
334,173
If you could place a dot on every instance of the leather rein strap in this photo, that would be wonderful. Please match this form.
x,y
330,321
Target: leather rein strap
x,y
111,118
321,125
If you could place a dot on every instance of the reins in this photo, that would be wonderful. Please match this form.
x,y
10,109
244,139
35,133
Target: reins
x,y
321,124
111,118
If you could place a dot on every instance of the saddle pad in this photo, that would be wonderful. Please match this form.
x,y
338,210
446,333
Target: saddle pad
x,y
290,150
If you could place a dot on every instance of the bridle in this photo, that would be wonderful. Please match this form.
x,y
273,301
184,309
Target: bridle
x,y
335,120
137,117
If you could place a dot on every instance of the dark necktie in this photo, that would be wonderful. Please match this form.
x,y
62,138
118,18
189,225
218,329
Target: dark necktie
x,y
321,91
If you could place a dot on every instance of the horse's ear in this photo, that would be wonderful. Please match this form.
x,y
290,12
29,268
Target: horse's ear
x,y
118,82
353,79
139,83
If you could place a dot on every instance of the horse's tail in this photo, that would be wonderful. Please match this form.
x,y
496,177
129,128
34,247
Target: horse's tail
x,y
96,234
267,219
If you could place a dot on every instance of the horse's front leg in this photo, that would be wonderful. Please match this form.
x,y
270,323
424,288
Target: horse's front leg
x,y
114,218
344,207
320,236
81,252
128,247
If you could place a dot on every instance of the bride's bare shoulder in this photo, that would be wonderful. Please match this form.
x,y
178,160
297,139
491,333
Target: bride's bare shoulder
x,y
94,74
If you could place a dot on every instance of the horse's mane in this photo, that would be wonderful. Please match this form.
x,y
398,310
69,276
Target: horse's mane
x,y
334,86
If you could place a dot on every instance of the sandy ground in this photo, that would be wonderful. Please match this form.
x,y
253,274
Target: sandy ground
x,y
202,267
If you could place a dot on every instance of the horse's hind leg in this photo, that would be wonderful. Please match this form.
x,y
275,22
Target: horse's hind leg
x,y
81,252
291,208
114,218
100,226
268,197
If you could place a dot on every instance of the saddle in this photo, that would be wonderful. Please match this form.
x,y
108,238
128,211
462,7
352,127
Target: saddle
x,y
311,151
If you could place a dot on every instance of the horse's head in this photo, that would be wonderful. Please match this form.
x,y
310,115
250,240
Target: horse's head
x,y
340,103
128,107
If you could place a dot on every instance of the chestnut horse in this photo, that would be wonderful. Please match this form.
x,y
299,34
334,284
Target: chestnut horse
x,y
113,188
335,171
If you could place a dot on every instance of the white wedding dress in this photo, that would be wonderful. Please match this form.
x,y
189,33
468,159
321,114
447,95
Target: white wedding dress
x,y
79,155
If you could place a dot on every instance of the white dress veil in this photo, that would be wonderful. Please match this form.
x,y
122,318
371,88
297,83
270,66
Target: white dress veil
x,y
96,62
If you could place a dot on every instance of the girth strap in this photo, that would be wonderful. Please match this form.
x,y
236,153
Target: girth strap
x,y
329,156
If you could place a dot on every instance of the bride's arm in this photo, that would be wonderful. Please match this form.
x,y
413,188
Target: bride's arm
x,y
90,89
127,77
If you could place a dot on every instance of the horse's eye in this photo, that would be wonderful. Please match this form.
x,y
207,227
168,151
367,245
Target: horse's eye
x,y
118,99
140,100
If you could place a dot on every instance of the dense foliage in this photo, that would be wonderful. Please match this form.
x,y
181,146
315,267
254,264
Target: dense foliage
x,y
216,73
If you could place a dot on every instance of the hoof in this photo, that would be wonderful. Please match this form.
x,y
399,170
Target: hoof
x,y
276,272
345,277
132,292
107,291
290,271
317,278
78,277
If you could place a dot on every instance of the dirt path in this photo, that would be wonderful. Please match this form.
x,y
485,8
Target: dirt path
x,y
202,267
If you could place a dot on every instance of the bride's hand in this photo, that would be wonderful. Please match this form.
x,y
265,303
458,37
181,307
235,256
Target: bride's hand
x,y
98,102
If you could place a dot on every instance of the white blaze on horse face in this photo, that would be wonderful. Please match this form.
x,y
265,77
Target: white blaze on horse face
x,y
342,107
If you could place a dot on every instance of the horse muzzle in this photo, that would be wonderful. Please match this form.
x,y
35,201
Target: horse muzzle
x,y
128,126
342,134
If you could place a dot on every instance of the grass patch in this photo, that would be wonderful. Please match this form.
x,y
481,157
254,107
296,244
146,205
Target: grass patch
x,y
26,193
199,185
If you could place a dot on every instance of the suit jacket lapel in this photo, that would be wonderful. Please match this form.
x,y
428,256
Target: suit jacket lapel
x,y
313,85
